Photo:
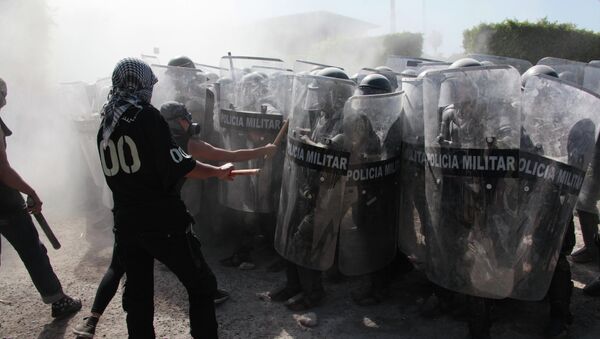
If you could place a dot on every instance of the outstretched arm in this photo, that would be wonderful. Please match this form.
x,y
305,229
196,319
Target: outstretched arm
x,y
205,151
204,171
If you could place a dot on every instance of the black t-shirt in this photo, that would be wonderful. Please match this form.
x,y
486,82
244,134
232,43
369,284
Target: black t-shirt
x,y
143,165
11,200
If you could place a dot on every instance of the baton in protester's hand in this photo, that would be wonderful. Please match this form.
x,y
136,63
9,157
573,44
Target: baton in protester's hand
x,y
44,225
280,135
253,171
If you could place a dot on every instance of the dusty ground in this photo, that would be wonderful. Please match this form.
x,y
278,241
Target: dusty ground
x,y
80,269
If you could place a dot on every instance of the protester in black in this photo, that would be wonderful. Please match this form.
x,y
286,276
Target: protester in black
x,y
143,167
17,227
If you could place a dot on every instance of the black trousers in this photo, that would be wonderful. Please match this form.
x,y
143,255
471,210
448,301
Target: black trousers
x,y
307,280
181,253
20,232
109,284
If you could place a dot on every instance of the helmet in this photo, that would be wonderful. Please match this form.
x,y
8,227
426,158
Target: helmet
x,y
465,62
389,74
374,84
253,88
457,90
595,63
328,95
535,71
354,78
486,63
182,61
333,72
212,77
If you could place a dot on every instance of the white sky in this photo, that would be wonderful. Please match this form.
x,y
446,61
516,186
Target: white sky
x,y
103,29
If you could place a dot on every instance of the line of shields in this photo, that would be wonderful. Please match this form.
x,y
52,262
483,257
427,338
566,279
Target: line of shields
x,y
472,176
253,97
493,171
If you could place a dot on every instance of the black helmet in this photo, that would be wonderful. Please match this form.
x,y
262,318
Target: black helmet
x,y
333,72
375,84
537,70
595,63
389,74
182,61
465,62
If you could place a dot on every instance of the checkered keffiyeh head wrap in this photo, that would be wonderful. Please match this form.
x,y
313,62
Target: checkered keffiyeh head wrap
x,y
132,83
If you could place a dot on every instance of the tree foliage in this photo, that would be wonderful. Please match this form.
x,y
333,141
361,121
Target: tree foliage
x,y
533,40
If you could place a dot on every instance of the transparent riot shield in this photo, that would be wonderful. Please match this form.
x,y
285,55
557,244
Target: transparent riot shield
x,y
303,66
432,66
77,100
560,125
471,132
252,107
520,64
310,207
372,134
150,59
101,90
187,86
400,63
591,77
414,212
568,70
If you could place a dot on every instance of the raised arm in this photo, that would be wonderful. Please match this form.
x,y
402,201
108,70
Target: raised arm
x,y
205,151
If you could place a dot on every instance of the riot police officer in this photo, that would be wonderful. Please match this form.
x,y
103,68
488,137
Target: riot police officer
x,y
323,108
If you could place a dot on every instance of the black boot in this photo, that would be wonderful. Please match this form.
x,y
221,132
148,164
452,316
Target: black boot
x,y
593,288
559,296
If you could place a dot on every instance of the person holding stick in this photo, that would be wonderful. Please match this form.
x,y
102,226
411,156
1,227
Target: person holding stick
x,y
17,227
183,131
144,168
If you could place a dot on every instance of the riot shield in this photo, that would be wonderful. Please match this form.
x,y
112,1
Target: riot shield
x,y
101,90
150,59
251,113
560,124
591,77
372,131
471,130
569,70
187,86
77,101
414,212
310,206
520,64
399,63
303,66
432,66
